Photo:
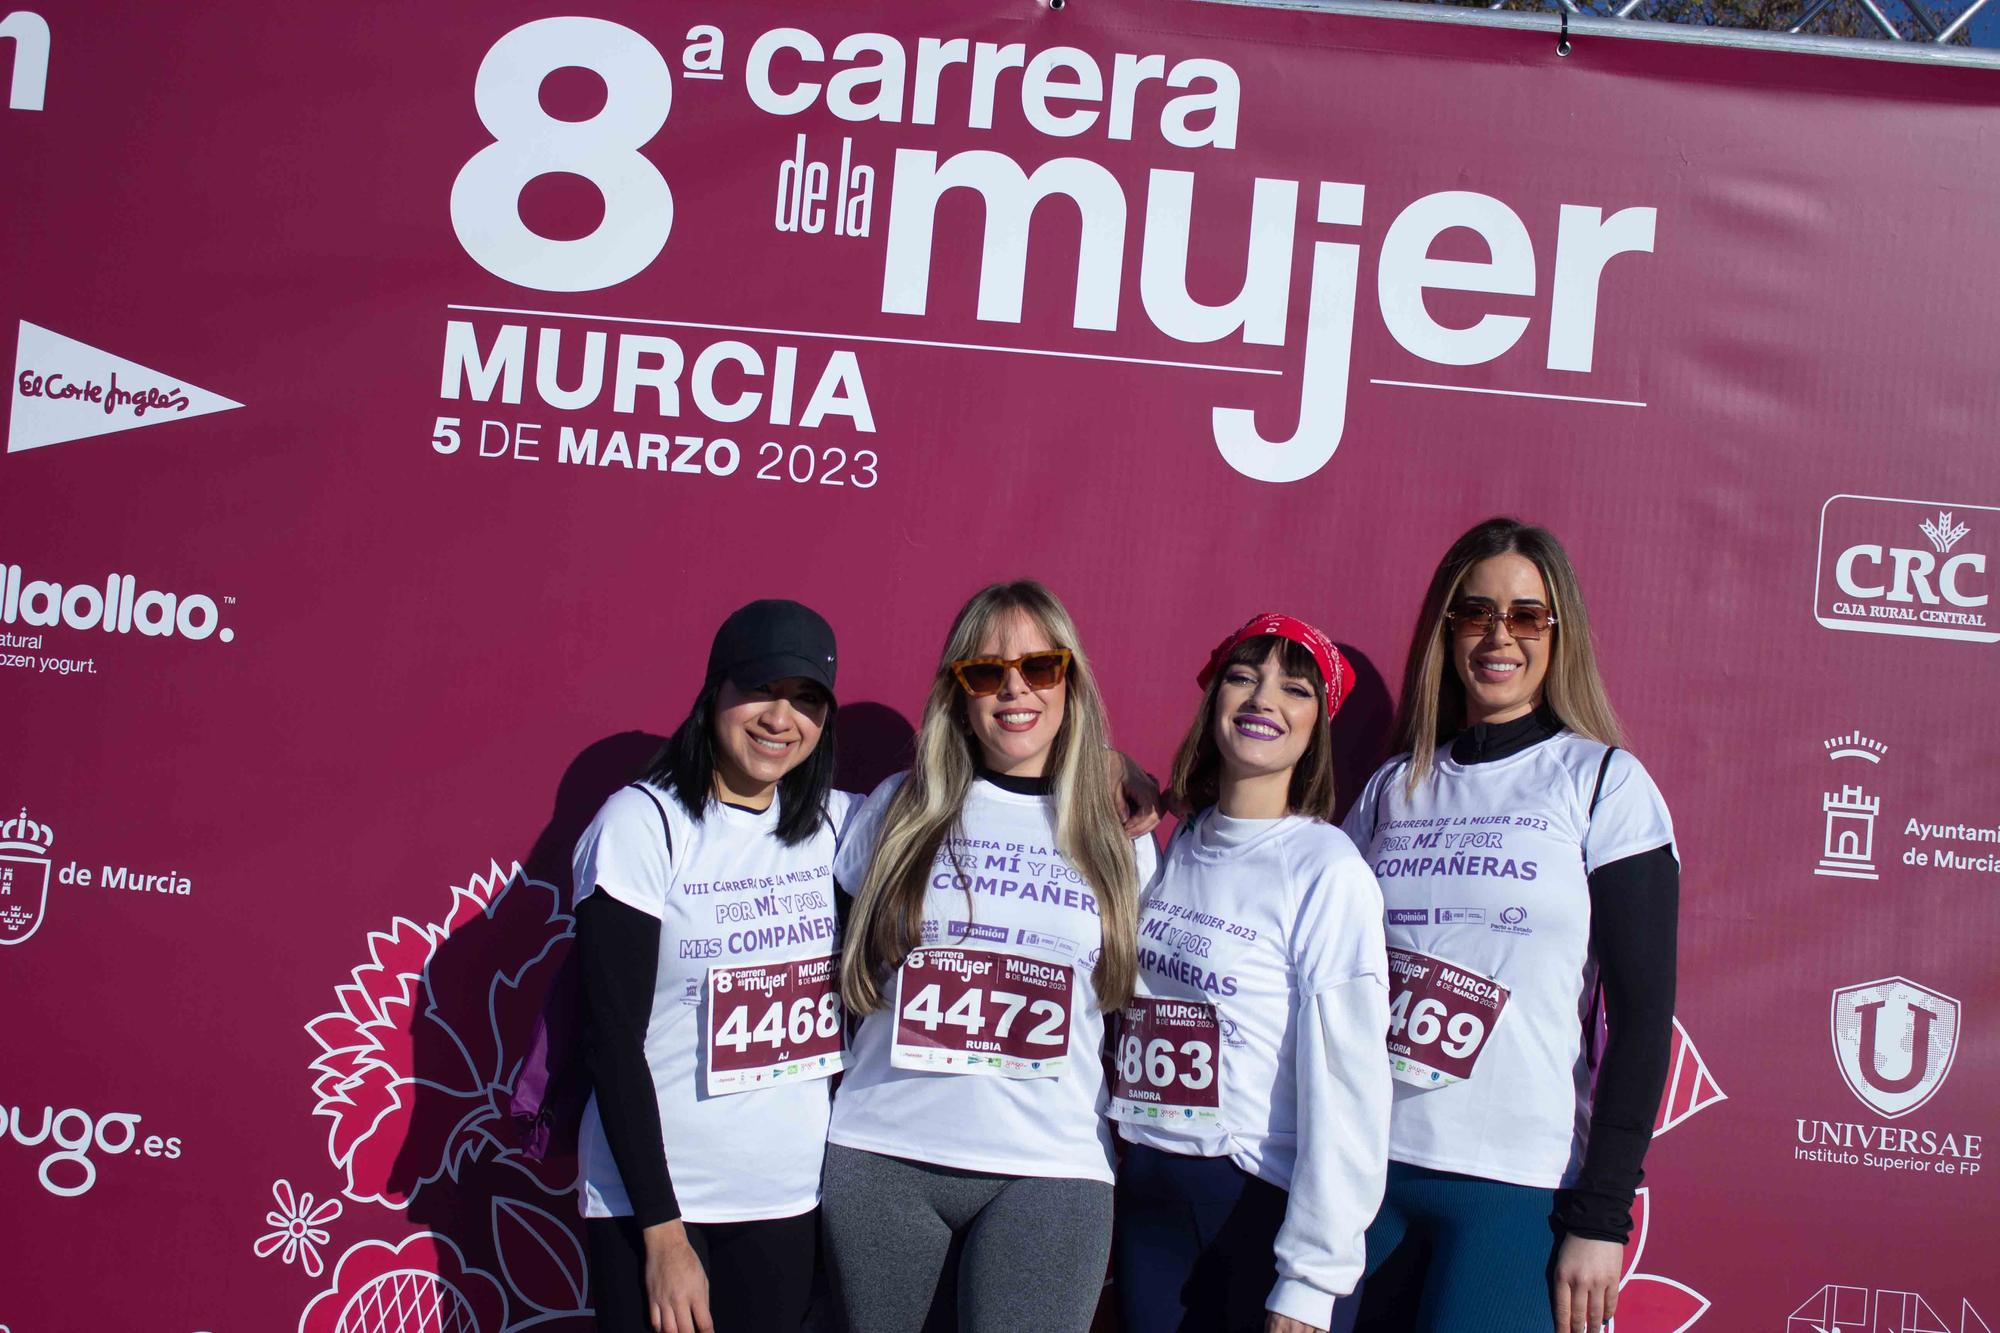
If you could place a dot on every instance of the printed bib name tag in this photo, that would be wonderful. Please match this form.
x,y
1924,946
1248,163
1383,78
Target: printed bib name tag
x,y
968,1011
1440,1015
771,1023
1168,1056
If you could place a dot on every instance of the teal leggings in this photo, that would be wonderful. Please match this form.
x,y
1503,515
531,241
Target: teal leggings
x,y
1455,1254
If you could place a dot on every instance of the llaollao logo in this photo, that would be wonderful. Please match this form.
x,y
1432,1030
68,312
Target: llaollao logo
x,y
119,604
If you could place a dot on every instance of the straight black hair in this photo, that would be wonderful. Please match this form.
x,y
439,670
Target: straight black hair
x,y
685,766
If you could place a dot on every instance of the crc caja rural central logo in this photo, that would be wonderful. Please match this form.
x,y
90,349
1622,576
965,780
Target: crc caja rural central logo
x,y
1917,567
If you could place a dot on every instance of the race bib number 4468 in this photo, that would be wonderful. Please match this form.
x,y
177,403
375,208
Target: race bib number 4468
x,y
771,1023
1440,1015
970,1011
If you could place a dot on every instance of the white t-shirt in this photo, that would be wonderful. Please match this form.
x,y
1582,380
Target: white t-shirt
x,y
731,894
1278,923
1022,892
1485,867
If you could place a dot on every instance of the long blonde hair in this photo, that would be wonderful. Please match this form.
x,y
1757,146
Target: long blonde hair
x,y
1432,708
889,906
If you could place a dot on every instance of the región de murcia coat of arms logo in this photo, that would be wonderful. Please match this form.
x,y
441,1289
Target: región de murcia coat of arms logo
x,y
24,876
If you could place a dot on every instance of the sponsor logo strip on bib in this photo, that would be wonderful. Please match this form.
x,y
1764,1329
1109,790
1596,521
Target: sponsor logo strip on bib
x,y
771,1023
971,1011
1440,1015
1169,1054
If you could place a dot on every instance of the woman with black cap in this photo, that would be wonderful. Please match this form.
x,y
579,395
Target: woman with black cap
x,y
1249,1086
709,946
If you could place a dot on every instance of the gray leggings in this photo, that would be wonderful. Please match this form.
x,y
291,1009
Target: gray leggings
x,y
1034,1248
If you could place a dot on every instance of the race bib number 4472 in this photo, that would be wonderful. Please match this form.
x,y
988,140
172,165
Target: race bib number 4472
x,y
1440,1015
771,1023
970,1011
1167,1057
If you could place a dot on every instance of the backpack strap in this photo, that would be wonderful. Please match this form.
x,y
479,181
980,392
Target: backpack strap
x,y
1593,1051
667,830
1597,790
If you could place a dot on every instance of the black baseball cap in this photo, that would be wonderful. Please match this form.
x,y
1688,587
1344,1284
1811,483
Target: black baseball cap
x,y
770,639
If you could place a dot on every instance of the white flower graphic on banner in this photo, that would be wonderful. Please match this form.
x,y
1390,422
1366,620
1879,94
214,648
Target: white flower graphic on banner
x,y
543,1262
300,1228
417,1061
1648,1303
1690,1087
423,1285
414,1071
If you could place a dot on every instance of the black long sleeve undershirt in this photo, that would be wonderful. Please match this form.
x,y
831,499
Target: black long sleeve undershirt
x,y
1634,912
1634,916
619,948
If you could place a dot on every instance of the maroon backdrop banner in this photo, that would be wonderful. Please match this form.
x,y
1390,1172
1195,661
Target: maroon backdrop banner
x,y
401,396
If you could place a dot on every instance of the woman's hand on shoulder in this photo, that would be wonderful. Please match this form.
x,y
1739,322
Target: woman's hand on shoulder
x,y
1584,1290
676,1284
1143,805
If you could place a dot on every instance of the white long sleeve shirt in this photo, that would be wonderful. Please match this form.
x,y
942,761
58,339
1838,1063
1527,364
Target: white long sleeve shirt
x,y
1278,924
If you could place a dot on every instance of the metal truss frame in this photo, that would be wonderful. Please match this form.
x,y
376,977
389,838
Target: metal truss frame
x,y
1628,18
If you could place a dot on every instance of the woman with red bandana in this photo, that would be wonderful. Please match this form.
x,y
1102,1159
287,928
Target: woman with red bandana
x,y
1250,1087
1526,863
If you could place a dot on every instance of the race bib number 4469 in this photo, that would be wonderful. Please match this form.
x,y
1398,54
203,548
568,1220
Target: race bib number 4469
x,y
772,1023
1167,1056
1440,1015
969,1011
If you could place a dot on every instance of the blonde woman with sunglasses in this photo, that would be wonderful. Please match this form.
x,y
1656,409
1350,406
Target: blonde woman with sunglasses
x,y
993,928
1531,884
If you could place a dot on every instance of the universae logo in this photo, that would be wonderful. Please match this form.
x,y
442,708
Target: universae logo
x,y
1873,1021
1916,567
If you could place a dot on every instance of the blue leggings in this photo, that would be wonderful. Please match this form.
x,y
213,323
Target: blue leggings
x,y
1455,1254
1192,1250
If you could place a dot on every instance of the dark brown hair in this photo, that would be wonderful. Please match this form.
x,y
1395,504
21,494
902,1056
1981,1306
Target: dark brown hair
x,y
1197,778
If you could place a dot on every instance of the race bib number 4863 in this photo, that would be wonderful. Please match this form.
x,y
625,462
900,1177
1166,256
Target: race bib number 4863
x,y
970,1011
1167,1058
771,1023
1440,1015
